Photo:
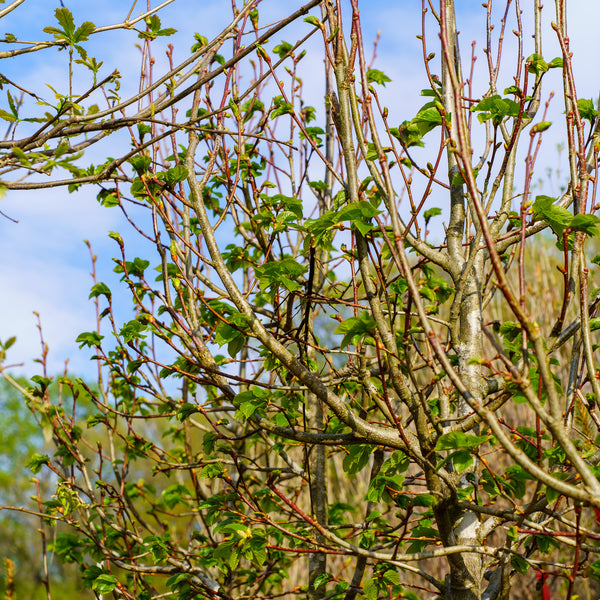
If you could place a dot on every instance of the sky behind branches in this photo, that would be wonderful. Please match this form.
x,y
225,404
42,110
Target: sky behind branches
x,y
45,264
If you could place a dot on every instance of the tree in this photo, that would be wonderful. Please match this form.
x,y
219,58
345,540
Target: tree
x,y
19,549
332,399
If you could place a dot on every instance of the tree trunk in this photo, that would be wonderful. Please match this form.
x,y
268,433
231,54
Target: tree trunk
x,y
456,525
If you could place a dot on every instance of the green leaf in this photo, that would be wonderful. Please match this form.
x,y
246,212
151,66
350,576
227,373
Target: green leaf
x,y
281,273
589,224
556,63
558,218
510,330
321,579
513,89
154,30
461,460
186,411
90,574
251,107
12,104
428,117
143,129
134,365
22,157
516,480
426,532
375,76
104,584
100,289
131,331
212,470
115,235
424,500
457,439
83,32
141,163
595,324
37,461
496,108
65,19
542,126
158,547
314,134
7,116
536,64
321,229
371,589
595,570
176,175
67,546
8,343
519,564
356,458
431,212
356,329
66,22
234,558
391,577
247,409
281,107
135,268
67,31
359,214
201,41
250,401
372,153
283,49
552,495
587,110
108,198
458,178
312,20
89,339
409,133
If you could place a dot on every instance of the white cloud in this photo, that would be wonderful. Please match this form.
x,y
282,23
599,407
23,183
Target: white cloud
x,y
45,267
56,292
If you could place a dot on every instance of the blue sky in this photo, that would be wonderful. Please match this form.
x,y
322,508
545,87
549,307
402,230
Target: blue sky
x,y
44,264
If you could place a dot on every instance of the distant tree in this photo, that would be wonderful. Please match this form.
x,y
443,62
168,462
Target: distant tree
x,y
22,573
345,372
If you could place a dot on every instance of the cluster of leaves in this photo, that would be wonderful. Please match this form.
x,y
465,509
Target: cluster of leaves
x,y
563,222
69,34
